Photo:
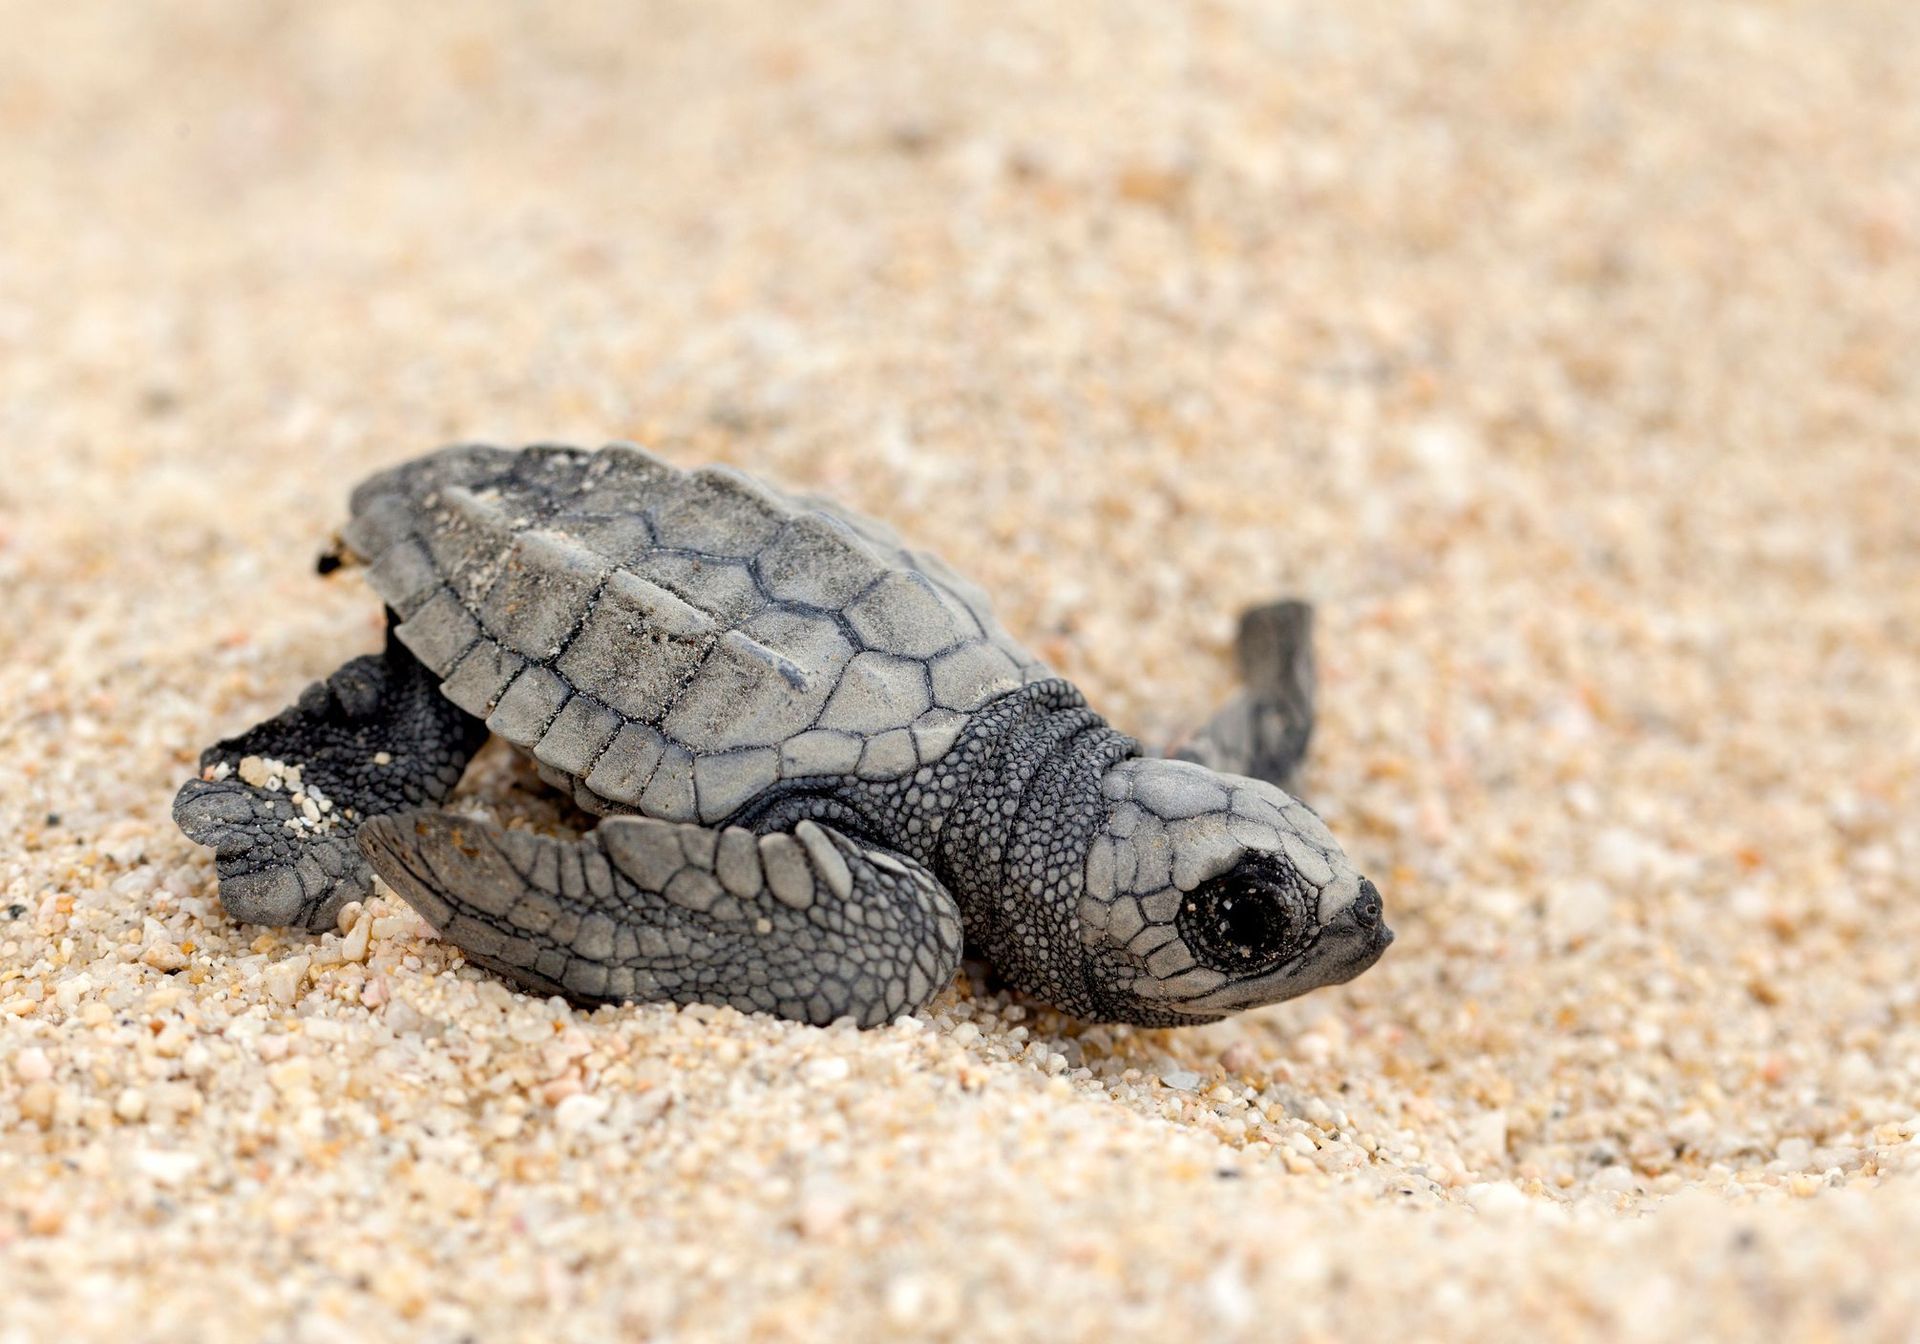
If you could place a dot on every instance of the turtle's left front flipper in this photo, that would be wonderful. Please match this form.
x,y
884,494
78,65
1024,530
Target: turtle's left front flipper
x,y
1263,732
810,924
280,804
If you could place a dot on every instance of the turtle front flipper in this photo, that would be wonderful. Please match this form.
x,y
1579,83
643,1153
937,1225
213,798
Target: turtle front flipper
x,y
280,803
1263,732
809,925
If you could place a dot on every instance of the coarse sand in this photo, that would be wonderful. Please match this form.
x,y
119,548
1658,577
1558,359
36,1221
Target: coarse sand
x,y
1568,356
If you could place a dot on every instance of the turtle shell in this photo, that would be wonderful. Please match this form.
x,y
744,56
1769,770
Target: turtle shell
x,y
676,642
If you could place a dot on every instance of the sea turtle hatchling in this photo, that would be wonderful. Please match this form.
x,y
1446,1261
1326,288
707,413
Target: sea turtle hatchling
x,y
822,767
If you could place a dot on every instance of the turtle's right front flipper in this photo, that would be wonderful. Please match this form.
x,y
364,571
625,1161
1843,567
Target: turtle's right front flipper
x,y
810,925
280,804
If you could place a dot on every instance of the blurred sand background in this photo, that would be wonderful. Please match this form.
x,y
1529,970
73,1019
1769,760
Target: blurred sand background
x,y
1565,354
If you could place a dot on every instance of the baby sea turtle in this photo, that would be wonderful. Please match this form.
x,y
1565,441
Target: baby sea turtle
x,y
823,768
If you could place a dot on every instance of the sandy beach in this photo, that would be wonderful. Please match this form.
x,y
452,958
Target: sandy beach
x,y
1565,356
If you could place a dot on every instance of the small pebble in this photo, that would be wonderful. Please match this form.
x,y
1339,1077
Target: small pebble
x,y
833,1069
358,940
1497,1199
1239,1058
285,977
31,1065
164,956
1614,1178
579,1112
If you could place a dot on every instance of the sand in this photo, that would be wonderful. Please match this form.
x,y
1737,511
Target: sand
x,y
1564,355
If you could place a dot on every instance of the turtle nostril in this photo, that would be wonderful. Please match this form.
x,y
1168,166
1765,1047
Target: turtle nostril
x,y
1367,905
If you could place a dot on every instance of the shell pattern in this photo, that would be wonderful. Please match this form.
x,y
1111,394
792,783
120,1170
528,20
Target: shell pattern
x,y
676,643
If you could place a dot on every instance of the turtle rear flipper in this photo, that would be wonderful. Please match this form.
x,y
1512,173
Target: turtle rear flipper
x,y
1264,731
280,803
809,925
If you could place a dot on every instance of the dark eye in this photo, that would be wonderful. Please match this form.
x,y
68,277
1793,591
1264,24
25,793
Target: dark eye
x,y
1244,922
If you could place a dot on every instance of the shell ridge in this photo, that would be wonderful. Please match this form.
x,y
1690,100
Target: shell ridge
x,y
736,605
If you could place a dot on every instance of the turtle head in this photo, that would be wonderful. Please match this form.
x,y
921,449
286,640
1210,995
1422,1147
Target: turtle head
x,y
1207,894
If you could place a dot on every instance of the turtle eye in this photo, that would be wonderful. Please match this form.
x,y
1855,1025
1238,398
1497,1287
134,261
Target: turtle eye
x,y
1243,923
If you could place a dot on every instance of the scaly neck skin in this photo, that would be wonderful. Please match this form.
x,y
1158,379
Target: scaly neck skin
x,y
1014,848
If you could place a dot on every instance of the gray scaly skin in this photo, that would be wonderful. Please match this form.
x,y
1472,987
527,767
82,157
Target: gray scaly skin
x,y
823,769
